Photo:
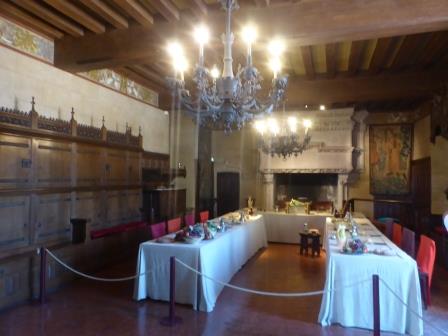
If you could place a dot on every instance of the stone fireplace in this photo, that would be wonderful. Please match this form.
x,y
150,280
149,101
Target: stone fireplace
x,y
321,172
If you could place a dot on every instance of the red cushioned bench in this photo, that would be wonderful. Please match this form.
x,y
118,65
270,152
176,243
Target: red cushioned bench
x,y
95,234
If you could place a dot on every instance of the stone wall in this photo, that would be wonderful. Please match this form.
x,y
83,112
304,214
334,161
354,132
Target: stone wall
x,y
57,91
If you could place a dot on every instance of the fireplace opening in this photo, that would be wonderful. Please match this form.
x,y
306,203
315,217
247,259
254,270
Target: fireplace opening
x,y
319,189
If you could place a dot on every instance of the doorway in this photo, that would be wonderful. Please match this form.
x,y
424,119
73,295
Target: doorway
x,y
228,192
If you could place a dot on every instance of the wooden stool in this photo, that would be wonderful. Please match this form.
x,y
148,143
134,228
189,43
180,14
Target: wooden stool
x,y
315,244
304,242
305,237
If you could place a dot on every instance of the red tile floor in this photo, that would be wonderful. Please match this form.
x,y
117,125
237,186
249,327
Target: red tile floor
x,y
91,308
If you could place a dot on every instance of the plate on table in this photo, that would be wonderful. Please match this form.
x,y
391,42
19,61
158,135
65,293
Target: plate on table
x,y
192,240
165,240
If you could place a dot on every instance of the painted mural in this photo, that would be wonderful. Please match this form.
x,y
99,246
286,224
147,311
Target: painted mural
x,y
38,46
390,159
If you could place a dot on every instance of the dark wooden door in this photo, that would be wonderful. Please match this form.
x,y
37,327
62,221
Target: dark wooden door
x,y
228,192
421,193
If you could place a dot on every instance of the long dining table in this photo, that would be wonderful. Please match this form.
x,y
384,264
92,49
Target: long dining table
x,y
348,298
219,258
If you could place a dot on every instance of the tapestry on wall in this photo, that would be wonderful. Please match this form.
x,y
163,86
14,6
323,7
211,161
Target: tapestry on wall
x,y
390,159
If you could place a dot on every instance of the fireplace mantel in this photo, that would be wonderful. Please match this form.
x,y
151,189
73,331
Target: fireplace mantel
x,y
335,148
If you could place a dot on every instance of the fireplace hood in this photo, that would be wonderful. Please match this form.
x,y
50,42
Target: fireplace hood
x,y
337,147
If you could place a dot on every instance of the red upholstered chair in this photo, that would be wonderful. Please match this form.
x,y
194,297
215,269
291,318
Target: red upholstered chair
x,y
174,225
158,230
203,215
397,234
190,219
408,242
425,260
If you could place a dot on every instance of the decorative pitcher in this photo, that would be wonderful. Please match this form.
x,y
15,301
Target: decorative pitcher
x,y
340,236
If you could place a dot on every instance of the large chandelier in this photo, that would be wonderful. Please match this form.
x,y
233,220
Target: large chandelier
x,y
226,101
283,137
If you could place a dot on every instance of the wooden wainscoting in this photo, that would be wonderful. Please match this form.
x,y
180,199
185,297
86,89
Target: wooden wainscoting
x,y
53,170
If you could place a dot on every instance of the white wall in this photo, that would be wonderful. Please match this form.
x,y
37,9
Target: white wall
x,y
57,91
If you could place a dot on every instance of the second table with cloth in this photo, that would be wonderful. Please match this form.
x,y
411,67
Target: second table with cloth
x,y
219,258
352,306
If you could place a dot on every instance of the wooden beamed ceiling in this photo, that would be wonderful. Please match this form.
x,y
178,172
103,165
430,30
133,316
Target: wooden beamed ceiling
x,y
388,54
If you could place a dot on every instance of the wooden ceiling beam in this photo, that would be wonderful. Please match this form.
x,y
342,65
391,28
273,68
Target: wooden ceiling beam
x,y
107,13
307,56
21,17
56,20
137,11
356,55
168,10
198,7
300,24
78,15
262,3
150,74
331,52
382,53
361,89
142,80
411,46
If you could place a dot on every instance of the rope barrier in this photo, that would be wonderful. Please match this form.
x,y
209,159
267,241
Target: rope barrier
x,y
253,291
412,310
91,277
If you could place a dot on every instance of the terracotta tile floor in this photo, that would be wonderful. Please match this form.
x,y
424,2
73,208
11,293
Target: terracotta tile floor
x,y
91,308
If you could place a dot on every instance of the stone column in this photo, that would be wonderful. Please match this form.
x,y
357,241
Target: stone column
x,y
268,191
342,186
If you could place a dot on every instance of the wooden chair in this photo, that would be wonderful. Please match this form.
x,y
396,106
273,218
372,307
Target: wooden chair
x,y
408,242
397,234
203,215
388,226
190,219
426,256
174,225
158,230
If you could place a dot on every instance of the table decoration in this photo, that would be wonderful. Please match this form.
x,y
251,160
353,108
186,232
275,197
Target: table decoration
x,y
340,235
355,246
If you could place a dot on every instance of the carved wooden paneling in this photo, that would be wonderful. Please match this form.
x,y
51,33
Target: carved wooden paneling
x,y
14,221
89,165
53,163
16,164
116,207
134,168
52,217
14,282
134,203
116,172
90,205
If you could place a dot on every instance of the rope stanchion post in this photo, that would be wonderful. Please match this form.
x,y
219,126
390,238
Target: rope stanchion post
x,y
43,275
172,319
376,305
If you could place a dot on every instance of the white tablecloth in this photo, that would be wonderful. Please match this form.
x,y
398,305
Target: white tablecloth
x,y
219,258
285,228
353,307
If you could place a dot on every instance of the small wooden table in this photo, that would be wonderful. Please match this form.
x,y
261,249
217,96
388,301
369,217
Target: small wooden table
x,y
305,238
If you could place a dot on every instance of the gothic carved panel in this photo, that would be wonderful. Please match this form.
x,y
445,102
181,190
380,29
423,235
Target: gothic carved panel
x,y
16,164
89,165
52,217
14,221
134,170
53,163
90,205
117,207
115,169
